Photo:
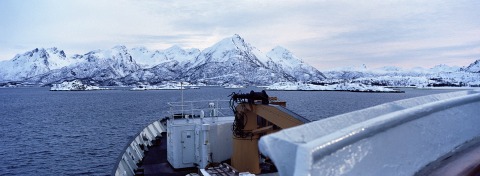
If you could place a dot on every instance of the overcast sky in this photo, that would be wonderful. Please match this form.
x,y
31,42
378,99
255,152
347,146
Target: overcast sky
x,y
325,34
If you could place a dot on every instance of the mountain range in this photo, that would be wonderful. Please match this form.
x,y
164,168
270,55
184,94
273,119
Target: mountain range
x,y
232,60
440,75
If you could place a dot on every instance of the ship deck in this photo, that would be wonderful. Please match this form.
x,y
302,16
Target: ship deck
x,y
155,161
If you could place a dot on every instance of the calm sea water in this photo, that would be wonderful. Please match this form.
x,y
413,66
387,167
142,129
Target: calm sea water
x,y
82,133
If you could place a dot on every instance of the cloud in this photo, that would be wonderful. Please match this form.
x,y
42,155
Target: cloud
x,y
324,33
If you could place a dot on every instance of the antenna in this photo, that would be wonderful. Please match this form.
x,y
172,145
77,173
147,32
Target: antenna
x,y
181,90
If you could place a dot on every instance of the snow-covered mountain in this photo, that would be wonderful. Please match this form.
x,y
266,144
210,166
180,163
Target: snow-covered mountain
x,y
473,68
100,66
444,68
283,61
159,66
35,62
440,75
232,60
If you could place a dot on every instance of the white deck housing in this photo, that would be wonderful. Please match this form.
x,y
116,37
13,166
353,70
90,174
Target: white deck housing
x,y
199,141
397,138
199,133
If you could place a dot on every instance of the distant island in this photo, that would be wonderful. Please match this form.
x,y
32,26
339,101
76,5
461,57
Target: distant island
x,y
75,85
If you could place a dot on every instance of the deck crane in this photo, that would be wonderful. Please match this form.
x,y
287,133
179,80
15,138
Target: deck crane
x,y
257,114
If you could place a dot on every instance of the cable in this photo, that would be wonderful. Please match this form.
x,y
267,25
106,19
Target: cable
x,y
241,119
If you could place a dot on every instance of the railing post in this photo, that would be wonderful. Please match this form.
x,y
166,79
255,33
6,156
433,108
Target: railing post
x,y
191,109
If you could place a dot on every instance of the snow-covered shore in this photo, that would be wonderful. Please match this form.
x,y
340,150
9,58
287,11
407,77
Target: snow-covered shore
x,y
449,88
75,85
161,87
233,86
352,87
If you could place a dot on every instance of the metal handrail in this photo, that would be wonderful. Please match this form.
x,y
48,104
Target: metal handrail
x,y
194,109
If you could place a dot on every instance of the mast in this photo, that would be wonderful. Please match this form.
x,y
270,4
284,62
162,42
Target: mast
x,y
181,89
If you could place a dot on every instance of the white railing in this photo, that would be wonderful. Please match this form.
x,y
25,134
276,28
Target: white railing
x,y
134,152
397,138
199,109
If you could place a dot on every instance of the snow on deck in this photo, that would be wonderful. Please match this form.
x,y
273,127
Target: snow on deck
x,y
397,138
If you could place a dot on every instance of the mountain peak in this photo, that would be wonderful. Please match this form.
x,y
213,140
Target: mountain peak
x,y
364,67
476,62
284,61
140,48
237,40
473,67
55,50
281,53
40,52
233,39
120,47
237,36
234,42
36,50
174,48
280,49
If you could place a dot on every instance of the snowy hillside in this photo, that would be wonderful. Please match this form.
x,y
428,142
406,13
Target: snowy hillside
x,y
145,57
149,59
232,60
